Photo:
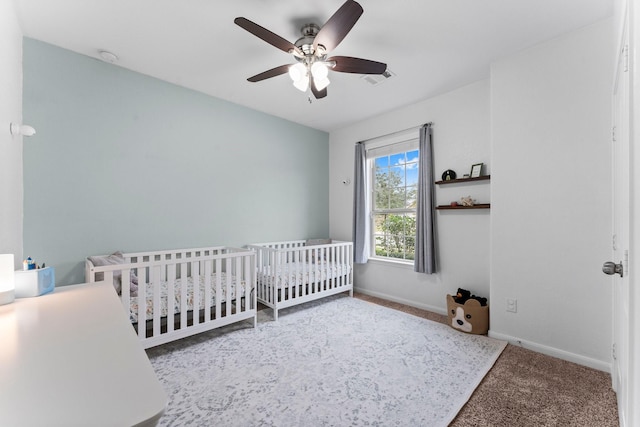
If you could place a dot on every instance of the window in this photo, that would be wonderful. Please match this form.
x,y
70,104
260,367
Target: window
x,y
394,184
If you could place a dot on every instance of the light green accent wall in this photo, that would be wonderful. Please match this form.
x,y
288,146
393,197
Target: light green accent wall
x,y
123,161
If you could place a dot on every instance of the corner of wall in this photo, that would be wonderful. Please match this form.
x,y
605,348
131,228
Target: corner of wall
x,y
11,184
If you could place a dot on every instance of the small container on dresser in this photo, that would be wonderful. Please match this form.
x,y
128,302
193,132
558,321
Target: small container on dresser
x,y
33,283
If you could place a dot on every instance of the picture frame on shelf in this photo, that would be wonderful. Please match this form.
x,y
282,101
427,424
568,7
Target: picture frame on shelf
x,y
476,170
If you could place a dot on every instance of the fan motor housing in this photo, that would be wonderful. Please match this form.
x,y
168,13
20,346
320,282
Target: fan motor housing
x,y
305,43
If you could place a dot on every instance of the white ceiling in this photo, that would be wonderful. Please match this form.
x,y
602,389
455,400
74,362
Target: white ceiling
x,y
432,46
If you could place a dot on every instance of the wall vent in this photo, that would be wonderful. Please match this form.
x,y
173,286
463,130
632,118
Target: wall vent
x,y
376,79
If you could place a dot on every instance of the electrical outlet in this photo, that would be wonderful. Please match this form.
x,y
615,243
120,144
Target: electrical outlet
x,y
512,305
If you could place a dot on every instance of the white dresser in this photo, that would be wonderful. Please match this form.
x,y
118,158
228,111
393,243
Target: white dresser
x,y
71,358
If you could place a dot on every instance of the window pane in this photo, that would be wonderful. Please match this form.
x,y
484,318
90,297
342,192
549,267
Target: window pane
x,y
382,199
396,176
395,230
395,188
381,189
397,198
412,197
412,174
412,156
410,225
381,169
381,247
382,161
394,235
410,247
398,159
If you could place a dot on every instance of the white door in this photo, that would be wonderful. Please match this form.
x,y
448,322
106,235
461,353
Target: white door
x,y
618,266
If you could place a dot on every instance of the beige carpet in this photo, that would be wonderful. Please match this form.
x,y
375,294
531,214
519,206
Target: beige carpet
x,y
525,388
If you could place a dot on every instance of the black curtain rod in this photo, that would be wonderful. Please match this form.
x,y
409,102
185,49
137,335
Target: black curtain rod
x,y
396,132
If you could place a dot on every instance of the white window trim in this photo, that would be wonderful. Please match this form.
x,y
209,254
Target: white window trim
x,y
396,262
398,143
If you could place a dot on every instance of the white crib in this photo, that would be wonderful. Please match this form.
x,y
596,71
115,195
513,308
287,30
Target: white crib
x,y
173,294
294,272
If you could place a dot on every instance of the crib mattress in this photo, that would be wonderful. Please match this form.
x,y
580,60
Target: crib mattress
x,y
175,301
300,273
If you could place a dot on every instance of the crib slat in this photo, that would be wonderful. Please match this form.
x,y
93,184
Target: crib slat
x,y
154,282
228,297
237,284
108,276
297,286
306,259
273,277
183,294
320,267
207,289
244,282
142,303
333,265
218,288
339,266
291,280
195,276
171,292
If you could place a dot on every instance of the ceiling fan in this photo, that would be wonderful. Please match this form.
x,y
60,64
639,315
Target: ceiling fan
x,y
310,51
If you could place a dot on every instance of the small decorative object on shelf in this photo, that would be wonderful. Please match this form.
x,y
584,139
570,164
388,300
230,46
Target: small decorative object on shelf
x,y
476,170
449,175
28,264
454,204
467,201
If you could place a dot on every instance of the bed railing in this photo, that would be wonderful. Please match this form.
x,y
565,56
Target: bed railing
x,y
195,277
292,272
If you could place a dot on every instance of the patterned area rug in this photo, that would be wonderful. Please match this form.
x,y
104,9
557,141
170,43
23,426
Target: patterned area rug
x,y
339,361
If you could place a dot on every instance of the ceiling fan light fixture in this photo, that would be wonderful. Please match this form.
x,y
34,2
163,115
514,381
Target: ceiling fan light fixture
x,y
297,71
302,84
321,83
300,76
319,71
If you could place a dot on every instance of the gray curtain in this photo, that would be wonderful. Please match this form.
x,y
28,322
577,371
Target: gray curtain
x,y
360,207
425,260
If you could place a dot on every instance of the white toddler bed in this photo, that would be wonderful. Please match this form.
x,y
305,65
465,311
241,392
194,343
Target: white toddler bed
x,y
160,296
294,272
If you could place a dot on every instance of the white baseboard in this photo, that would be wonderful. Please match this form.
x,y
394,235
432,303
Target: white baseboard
x,y
540,348
433,309
554,352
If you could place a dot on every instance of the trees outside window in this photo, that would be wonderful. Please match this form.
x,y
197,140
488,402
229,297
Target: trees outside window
x,y
395,184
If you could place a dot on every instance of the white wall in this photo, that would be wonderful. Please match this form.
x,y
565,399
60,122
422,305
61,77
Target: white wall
x,y
634,264
550,216
461,138
10,147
